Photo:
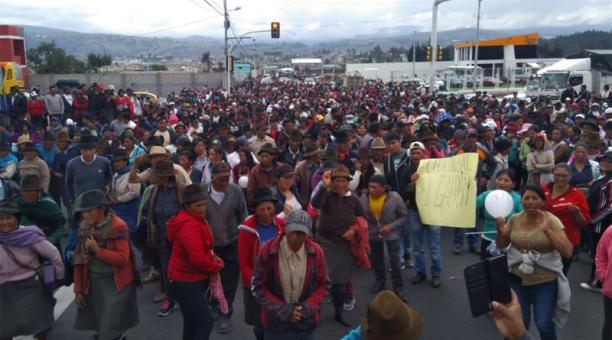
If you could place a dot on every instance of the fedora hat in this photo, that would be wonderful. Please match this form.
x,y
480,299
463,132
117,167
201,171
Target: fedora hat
x,y
311,149
9,207
120,155
221,170
389,318
88,141
31,183
92,199
29,146
163,168
263,194
23,139
157,150
193,193
330,155
378,144
268,148
341,171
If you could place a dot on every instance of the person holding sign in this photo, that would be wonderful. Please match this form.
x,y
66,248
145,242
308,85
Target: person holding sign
x,y
537,244
419,230
504,181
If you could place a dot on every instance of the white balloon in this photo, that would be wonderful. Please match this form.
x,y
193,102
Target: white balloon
x,y
499,203
243,181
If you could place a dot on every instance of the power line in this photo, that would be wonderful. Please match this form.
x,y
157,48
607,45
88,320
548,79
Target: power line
x,y
214,8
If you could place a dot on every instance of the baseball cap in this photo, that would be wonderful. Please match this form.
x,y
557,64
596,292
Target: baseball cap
x,y
417,145
298,220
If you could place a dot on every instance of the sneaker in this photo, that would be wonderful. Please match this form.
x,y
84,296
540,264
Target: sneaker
x,y
224,326
591,286
435,282
457,249
349,303
166,308
402,267
409,263
152,276
418,278
328,298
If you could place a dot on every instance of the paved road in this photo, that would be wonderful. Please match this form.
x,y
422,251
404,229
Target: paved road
x,y
445,311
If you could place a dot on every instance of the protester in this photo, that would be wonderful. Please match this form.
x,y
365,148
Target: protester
x,y
31,164
584,170
125,196
290,301
25,309
263,174
339,210
569,205
387,215
286,192
105,275
192,262
604,268
538,243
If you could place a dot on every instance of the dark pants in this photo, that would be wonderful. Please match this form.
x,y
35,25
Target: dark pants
x,y
197,317
38,122
293,335
230,275
567,263
606,333
378,261
484,253
543,298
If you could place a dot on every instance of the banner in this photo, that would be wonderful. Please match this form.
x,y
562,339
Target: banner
x,y
446,191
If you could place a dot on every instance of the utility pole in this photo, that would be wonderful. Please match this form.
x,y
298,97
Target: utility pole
x,y
226,24
476,73
414,55
434,43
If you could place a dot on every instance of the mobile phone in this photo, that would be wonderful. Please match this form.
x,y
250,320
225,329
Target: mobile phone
x,y
499,279
478,288
487,281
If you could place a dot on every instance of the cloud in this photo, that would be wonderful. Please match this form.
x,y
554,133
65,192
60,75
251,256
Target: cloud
x,y
300,19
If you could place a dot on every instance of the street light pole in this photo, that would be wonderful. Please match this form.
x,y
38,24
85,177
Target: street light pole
x,y
226,26
476,82
414,55
434,43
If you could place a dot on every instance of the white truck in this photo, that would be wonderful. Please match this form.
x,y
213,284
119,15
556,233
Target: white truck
x,y
553,79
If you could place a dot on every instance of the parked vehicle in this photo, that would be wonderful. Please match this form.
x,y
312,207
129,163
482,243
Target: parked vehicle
x,y
552,80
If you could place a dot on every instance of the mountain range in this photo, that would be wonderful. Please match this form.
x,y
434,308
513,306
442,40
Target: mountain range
x,y
80,44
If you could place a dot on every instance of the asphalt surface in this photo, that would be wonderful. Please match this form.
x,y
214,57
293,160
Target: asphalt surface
x,y
445,311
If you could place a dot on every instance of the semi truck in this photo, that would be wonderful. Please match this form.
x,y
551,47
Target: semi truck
x,y
553,79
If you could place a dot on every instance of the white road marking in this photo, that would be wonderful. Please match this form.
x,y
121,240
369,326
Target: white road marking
x,y
64,296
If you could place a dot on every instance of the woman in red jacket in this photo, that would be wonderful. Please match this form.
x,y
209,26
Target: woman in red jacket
x,y
192,262
569,205
104,271
36,109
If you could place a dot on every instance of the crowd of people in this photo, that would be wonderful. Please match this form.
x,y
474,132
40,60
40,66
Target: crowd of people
x,y
283,190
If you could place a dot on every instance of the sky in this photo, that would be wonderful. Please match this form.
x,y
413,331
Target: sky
x,y
300,19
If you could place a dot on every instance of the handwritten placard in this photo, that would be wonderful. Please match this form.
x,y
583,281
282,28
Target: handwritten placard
x,y
446,191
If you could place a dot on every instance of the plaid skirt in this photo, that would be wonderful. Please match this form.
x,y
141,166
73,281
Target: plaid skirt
x,y
108,312
24,308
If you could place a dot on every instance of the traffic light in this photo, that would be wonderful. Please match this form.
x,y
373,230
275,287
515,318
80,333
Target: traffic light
x,y
440,53
428,53
230,63
275,29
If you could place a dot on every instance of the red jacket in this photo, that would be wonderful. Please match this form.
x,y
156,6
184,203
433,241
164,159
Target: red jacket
x,y
360,245
36,108
192,248
559,207
268,289
80,104
249,244
124,102
117,254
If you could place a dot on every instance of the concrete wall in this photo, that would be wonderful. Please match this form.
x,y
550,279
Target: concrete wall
x,y
160,83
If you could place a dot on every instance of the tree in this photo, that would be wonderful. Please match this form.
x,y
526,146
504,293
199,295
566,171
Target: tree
x,y
95,61
206,60
48,58
158,67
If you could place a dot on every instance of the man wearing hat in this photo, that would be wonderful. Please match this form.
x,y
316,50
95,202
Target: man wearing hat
x,y
226,210
343,151
258,228
290,303
292,152
37,208
8,161
155,154
305,169
262,174
396,160
378,148
31,164
87,172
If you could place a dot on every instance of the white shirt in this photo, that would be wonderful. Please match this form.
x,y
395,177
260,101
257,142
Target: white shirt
x,y
216,196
